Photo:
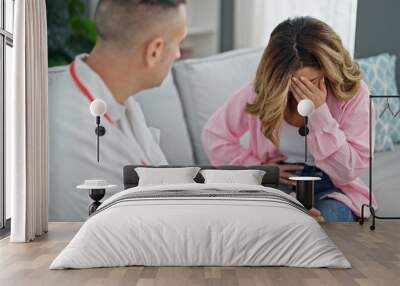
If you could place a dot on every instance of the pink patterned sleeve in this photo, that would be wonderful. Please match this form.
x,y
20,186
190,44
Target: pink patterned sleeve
x,y
221,135
342,150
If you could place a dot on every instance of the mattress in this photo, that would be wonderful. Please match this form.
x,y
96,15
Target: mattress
x,y
201,225
386,181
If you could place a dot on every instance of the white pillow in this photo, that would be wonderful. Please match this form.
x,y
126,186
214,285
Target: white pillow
x,y
248,177
165,176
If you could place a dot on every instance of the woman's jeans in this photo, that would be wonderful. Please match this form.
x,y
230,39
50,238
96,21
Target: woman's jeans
x,y
332,210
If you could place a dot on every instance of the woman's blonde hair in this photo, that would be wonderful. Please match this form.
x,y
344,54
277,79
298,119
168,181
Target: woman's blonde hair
x,y
294,44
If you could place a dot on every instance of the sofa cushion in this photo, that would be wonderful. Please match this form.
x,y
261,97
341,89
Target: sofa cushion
x,y
205,84
162,109
380,75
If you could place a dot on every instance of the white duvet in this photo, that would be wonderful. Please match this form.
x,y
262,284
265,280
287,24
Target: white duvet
x,y
200,231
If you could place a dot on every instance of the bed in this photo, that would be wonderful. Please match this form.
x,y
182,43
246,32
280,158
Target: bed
x,y
199,224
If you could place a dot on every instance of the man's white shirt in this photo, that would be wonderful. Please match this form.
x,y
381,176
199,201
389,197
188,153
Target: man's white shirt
x,y
73,153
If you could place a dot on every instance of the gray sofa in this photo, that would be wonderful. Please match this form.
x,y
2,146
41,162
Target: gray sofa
x,y
195,89
190,95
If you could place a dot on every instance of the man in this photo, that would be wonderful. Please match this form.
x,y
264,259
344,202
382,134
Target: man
x,y
137,43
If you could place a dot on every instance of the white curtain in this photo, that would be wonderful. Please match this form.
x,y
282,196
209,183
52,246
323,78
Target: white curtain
x,y
255,19
26,124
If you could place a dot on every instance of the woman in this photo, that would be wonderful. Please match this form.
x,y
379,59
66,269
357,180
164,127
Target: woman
x,y
304,59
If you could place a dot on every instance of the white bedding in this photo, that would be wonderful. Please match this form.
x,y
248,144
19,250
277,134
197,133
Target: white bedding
x,y
203,231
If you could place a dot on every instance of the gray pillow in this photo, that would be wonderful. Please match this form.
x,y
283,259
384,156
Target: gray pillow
x,y
205,84
247,177
166,176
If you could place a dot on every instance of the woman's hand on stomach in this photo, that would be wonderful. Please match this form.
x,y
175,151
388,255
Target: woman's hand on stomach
x,y
284,169
284,174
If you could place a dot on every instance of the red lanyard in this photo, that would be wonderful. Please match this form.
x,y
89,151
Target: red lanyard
x,y
89,96
84,90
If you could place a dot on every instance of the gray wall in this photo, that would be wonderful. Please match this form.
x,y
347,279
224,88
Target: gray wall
x,y
378,29
227,25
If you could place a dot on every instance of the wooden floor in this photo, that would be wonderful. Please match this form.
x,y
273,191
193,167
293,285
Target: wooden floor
x,y
375,257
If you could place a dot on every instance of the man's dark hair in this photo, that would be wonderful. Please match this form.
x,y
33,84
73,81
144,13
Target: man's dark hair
x,y
122,23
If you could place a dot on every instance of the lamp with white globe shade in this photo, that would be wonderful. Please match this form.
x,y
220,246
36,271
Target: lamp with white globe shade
x,y
305,107
98,108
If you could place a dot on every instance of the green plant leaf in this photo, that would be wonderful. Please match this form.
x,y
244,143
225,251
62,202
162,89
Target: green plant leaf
x,y
84,27
70,31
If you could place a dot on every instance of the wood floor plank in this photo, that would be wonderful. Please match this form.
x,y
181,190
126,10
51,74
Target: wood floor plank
x,y
375,258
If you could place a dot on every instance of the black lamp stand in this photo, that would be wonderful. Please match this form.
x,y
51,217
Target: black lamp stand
x,y
303,131
96,195
100,131
369,204
305,189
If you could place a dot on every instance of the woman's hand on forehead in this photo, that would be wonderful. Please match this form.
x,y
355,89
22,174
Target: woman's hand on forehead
x,y
303,88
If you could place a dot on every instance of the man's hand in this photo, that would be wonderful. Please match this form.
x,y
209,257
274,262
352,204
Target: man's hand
x,y
284,169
